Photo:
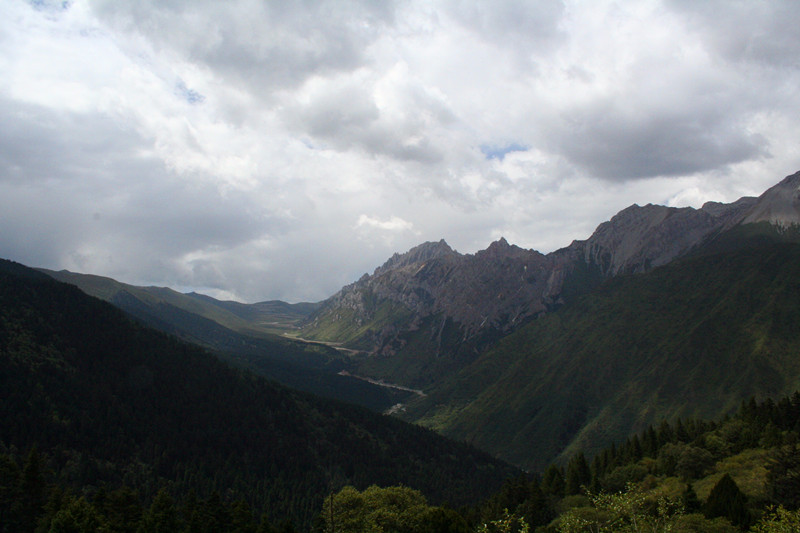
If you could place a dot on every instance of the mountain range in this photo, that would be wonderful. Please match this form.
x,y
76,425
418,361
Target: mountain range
x,y
662,312
495,290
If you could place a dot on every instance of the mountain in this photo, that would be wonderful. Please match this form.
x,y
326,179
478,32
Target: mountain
x,y
662,312
242,334
253,319
431,308
109,402
690,339
430,311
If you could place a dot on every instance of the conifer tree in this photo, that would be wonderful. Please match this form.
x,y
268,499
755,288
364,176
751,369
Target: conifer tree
x,y
32,490
665,433
578,474
553,481
681,435
650,442
783,477
635,449
9,492
727,501
689,500
162,516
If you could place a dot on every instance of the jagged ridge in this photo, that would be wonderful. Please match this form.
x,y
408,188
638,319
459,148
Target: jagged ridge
x,y
497,289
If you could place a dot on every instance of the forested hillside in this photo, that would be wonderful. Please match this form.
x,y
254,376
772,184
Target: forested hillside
x,y
736,474
243,334
101,404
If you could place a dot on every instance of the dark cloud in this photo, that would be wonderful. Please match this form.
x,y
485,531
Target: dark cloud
x,y
262,45
37,144
759,33
77,189
612,143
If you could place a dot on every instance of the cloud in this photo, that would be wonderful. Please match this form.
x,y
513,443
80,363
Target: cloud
x,y
758,33
263,45
393,224
611,143
265,150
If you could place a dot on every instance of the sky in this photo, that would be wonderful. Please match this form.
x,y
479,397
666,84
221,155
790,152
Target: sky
x,y
257,150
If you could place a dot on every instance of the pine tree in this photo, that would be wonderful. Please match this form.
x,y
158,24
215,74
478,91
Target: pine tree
x,y
9,493
553,481
681,435
578,474
650,442
32,490
665,433
727,501
689,500
635,449
783,477
162,516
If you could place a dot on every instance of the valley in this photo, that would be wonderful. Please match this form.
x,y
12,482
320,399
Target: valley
x,y
654,316
664,318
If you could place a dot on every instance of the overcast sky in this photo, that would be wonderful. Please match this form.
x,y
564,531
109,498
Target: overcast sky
x,y
255,150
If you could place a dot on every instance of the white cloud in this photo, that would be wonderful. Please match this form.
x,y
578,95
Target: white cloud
x,y
393,224
279,150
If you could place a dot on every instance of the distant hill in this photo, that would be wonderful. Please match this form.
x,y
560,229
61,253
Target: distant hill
x,y
109,401
252,319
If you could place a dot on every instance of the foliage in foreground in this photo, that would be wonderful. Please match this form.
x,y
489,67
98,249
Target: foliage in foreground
x,y
398,509
739,474
631,511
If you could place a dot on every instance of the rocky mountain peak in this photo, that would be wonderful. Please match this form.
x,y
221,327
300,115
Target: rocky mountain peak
x,y
734,210
505,285
779,205
419,254
501,248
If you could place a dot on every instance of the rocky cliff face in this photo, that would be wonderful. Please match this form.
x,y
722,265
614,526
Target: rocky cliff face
x,y
495,287
502,286
780,205
640,238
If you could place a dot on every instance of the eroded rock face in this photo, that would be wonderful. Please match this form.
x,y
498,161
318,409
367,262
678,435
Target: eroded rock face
x,y
495,287
640,238
780,205
502,286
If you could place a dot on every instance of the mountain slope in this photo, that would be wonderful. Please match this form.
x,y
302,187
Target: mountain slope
x,y
112,402
252,319
239,333
689,339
